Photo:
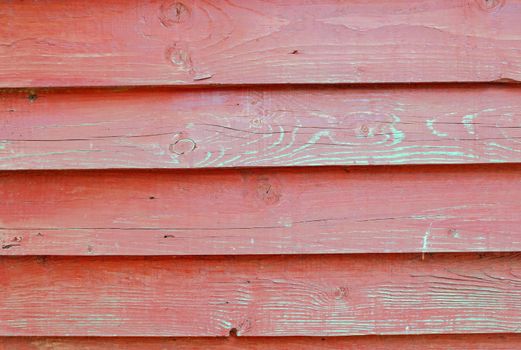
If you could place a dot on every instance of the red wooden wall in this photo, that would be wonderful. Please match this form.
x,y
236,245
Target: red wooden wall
x,y
284,174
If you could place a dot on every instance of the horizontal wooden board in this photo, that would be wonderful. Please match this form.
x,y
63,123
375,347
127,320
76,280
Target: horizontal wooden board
x,y
151,128
168,42
425,342
263,211
260,296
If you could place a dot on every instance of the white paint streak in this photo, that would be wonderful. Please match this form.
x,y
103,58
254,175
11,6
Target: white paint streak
x,y
425,241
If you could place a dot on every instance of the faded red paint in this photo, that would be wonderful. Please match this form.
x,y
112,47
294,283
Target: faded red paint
x,y
362,250
262,211
307,295
192,42
260,126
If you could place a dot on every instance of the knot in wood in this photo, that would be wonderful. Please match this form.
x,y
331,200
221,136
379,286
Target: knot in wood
x,y
341,293
256,123
179,57
490,5
268,192
173,13
364,130
183,146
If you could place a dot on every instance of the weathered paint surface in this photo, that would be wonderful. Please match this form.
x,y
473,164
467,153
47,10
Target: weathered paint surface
x,y
260,127
309,295
262,211
425,342
112,42
151,254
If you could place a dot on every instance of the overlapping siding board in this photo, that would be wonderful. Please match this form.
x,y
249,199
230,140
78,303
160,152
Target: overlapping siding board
x,y
281,174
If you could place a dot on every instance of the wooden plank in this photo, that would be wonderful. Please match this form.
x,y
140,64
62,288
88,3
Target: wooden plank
x,y
167,42
426,342
275,211
331,295
151,128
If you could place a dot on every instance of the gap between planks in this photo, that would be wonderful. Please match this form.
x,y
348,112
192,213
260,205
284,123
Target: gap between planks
x,y
428,342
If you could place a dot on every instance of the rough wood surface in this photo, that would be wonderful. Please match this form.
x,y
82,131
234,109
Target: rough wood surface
x,y
309,295
263,211
150,128
424,342
112,42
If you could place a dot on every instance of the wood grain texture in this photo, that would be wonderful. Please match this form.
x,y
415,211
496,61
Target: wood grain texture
x,y
425,342
151,128
113,42
275,211
270,296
